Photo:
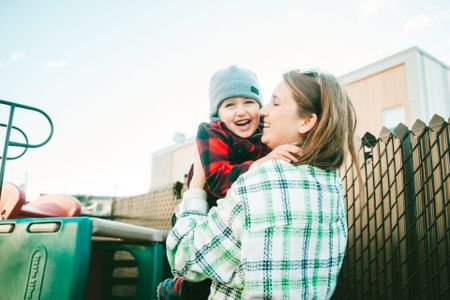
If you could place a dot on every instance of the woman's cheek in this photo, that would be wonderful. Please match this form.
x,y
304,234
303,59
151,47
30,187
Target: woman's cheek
x,y
264,138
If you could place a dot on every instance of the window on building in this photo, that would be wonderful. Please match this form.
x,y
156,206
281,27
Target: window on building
x,y
390,117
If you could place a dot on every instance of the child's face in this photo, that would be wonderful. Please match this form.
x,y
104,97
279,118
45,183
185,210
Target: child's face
x,y
240,115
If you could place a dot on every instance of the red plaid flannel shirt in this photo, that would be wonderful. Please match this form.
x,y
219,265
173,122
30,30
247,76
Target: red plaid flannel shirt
x,y
225,156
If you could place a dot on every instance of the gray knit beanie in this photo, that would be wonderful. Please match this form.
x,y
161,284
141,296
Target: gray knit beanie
x,y
232,82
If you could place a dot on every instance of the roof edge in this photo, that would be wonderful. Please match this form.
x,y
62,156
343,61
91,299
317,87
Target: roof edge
x,y
386,63
170,148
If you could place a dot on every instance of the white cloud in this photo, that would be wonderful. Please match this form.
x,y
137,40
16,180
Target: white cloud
x,y
1,64
56,64
418,22
15,56
372,7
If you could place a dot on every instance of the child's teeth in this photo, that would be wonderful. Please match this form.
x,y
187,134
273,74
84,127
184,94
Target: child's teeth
x,y
242,122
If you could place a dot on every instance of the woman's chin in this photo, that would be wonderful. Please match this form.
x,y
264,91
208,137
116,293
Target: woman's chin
x,y
268,143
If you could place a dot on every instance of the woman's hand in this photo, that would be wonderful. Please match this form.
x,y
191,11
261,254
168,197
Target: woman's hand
x,y
286,152
198,177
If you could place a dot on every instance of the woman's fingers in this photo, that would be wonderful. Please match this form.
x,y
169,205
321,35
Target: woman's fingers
x,y
286,152
285,155
290,156
291,148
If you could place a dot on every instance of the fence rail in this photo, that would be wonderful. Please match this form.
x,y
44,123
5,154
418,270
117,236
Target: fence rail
x,y
399,242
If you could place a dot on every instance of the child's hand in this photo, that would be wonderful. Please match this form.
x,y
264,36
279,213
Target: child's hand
x,y
198,177
284,152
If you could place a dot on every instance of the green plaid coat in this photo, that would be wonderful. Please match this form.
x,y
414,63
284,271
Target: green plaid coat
x,y
280,233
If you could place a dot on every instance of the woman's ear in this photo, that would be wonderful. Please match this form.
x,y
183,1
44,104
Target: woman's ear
x,y
307,124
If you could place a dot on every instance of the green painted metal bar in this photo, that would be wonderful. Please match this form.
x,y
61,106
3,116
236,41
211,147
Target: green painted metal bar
x,y
5,147
9,126
24,136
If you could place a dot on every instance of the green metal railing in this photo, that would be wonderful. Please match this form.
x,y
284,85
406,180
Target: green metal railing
x,y
25,144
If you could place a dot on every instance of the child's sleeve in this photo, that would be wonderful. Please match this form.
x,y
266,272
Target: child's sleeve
x,y
214,152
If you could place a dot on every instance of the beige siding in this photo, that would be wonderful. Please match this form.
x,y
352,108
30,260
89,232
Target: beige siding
x,y
374,93
182,158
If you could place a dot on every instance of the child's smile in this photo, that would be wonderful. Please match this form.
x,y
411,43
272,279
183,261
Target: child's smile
x,y
240,115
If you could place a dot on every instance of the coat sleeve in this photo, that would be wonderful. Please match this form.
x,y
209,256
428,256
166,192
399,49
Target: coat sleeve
x,y
207,245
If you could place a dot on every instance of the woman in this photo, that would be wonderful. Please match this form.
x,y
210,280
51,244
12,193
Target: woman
x,y
280,232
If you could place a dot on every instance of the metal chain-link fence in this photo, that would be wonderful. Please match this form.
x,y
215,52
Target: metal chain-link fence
x,y
153,209
399,243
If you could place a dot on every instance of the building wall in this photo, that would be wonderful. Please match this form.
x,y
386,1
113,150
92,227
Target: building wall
x,y
182,159
170,164
426,81
161,169
375,93
435,93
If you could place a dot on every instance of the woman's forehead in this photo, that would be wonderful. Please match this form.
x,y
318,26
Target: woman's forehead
x,y
281,91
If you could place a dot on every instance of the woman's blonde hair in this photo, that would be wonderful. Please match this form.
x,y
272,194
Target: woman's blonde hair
x,y
326,144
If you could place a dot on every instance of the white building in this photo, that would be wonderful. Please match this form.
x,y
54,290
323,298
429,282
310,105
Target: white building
x,y
172,163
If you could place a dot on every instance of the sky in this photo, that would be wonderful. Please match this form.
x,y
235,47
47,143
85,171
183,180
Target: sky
x,y
119,78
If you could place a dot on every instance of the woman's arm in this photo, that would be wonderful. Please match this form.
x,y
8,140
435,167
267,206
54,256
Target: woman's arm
x,y
202,245
198,179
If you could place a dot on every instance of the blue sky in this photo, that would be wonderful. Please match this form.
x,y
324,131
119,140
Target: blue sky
x,y
119,78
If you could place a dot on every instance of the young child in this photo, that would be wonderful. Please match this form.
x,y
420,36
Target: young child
x,y
231,142
227,145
